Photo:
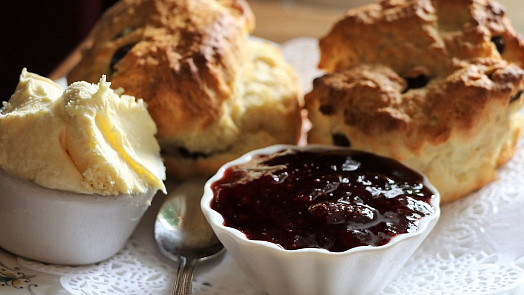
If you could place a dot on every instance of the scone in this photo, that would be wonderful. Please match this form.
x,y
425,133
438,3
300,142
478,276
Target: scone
x,y
213,92
440,92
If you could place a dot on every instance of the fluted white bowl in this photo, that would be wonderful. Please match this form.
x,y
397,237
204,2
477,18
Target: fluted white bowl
x,y
62,227
269,267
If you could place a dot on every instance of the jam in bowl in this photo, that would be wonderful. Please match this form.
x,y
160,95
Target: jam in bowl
x,y
318,219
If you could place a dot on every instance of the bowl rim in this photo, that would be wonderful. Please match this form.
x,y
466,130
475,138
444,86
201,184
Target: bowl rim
x,y
216,219
70,196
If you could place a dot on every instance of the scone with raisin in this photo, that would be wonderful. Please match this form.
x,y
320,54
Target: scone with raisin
x,y
214,92
434,84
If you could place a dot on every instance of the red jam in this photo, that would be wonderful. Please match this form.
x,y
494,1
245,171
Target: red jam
x,y
336,199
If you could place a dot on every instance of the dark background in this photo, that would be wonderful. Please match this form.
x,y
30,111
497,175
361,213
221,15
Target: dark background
x,y
39,34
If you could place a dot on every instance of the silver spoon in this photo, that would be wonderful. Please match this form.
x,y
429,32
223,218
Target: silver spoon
x,y
183,234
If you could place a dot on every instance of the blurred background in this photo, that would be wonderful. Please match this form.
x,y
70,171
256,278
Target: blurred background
x,y
39,35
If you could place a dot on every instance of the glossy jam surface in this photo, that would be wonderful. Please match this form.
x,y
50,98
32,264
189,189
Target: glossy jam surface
x,y
336,199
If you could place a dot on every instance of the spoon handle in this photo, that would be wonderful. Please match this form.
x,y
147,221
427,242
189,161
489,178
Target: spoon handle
x,y
184,277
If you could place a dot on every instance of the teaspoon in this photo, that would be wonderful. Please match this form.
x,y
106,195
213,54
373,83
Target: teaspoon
x,y
183,234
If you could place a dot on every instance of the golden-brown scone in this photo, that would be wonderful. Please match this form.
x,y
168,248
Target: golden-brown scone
x,y
442,99
188,59
181,56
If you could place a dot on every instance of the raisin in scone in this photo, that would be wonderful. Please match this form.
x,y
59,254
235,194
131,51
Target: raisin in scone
x,y
434,84
214,92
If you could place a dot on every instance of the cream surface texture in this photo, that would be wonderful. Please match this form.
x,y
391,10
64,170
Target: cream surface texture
x,y
86,138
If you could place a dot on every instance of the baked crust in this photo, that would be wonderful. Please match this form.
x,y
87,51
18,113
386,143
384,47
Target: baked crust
x,y
264,110
427,34
441,98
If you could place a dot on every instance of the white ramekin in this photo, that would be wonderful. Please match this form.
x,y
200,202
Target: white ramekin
x,y
360,270
62,227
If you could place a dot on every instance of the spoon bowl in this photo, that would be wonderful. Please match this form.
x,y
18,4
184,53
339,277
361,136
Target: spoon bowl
x,y
183,234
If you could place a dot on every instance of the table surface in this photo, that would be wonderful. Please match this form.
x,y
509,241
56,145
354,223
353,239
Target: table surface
x,y
282,20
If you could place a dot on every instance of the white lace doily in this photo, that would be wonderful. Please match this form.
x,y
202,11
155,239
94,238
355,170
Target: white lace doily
x,y
476,248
